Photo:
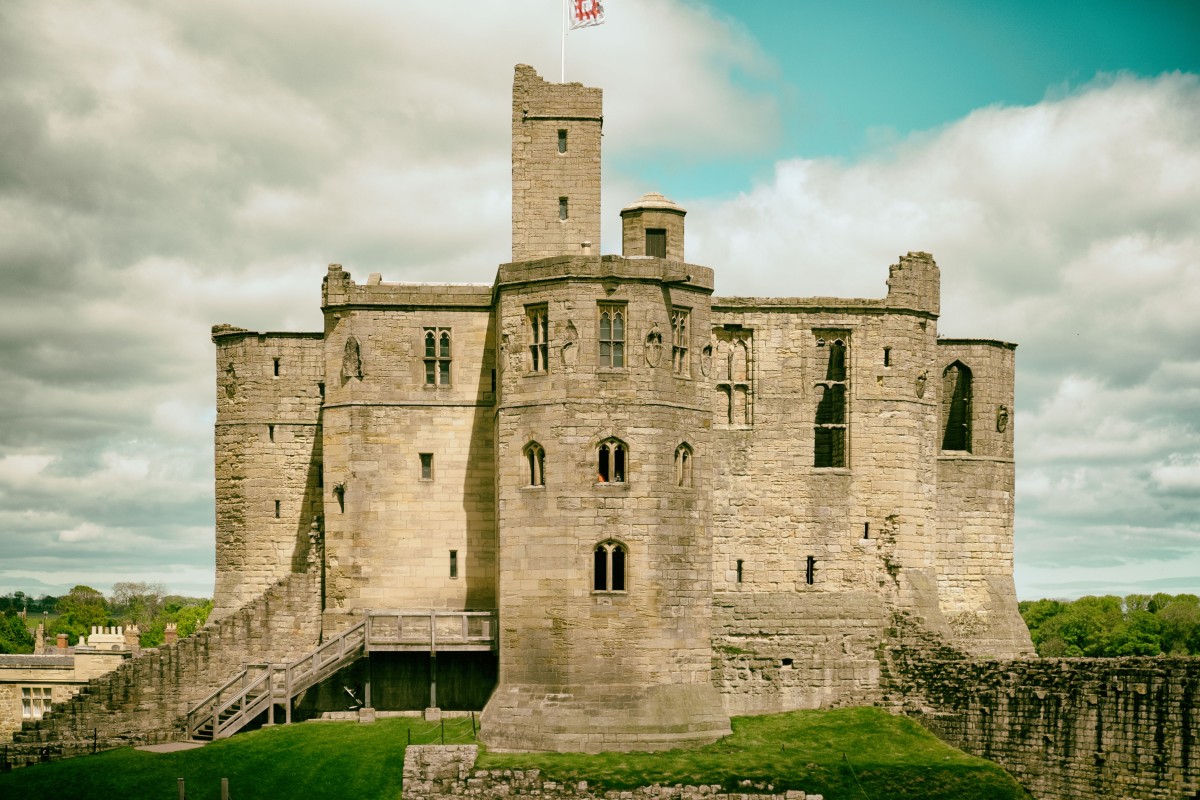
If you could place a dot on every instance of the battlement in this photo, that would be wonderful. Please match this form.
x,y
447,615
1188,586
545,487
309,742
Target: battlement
x,y
339,290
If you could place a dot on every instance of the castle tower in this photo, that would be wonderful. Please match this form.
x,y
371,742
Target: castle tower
x,y
604,499
555,167
653,226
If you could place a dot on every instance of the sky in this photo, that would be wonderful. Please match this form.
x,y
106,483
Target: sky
x,y
166,166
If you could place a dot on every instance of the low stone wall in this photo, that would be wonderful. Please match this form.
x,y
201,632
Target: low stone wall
x,y
442,772
1069,729
144,699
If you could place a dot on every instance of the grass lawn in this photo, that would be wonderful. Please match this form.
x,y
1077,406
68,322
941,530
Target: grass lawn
x,y
892,757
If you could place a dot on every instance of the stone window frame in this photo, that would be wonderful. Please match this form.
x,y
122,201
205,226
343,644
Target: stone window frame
x,y
534,456
685,458
681,335
537,326
35,701
831,414
612,462
437,345
610,567
425,472
957,411
611,334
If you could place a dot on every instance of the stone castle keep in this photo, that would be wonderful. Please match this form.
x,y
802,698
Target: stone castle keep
x,y
611,511
671,507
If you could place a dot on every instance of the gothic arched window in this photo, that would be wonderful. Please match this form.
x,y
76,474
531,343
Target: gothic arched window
x,y
683,465
956,407
611,459
608,567
535,457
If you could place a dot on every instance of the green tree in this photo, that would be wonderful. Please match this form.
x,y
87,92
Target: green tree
x,y
80,609
136,602
14,636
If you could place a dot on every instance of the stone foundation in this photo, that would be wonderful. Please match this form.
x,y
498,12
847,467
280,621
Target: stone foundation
x,y
433,772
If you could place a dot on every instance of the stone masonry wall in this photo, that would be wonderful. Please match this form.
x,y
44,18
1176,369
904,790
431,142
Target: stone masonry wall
x,y
390,529
542,173
143,700
442,772
268,458
784,650
1069,729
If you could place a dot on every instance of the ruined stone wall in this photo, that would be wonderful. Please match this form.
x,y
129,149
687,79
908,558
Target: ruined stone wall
x,y
441,772
268,457
392,522
144,699
975,501
1069,729
542,175
619,667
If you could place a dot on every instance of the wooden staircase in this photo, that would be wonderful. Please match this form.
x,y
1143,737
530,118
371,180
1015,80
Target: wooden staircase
x,y
261,687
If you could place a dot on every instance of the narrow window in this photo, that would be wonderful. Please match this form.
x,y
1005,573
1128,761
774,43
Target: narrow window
x,y
600,568
887,356
535,456
679,341
493,380
866,530
618,568
277,508
320,476
321,390
271,432
426,466
683,465
740,564
437,356
608,567
656,242
612,335
562,141
810,570
956,407
829,434
453,563
275,363
538,323
562,208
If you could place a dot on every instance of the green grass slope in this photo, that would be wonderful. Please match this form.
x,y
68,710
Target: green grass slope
x,y
845,754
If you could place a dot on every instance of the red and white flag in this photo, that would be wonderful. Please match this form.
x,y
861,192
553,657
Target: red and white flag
x,y
586,13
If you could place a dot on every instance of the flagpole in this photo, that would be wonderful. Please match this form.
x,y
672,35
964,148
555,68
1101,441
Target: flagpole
x,y
563,74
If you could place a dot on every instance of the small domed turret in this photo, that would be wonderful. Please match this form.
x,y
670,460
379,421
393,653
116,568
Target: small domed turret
x,y
653,226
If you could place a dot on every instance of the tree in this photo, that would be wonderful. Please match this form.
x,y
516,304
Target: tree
x,y
79,610
137,602
14,636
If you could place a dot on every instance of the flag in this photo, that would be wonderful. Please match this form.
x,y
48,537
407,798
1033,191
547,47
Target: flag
x,y
585,13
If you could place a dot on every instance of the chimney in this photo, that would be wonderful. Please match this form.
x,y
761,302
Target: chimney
x,y
171,634
39,639
133,637
62,643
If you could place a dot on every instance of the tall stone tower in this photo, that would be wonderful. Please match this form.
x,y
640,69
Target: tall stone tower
x,y
603,486
555,167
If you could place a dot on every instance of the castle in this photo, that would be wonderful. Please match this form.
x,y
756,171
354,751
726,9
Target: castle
x,y
662,507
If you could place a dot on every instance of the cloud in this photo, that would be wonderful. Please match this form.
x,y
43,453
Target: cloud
x,y
1071,227
168,167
